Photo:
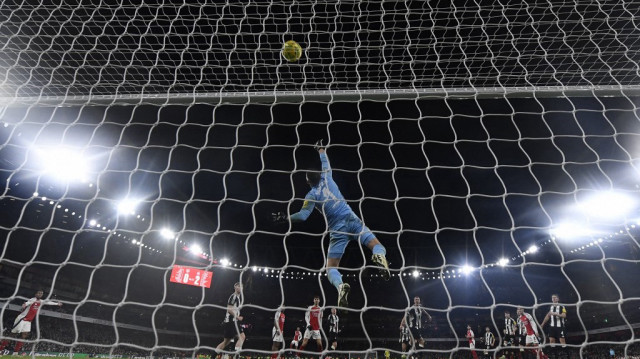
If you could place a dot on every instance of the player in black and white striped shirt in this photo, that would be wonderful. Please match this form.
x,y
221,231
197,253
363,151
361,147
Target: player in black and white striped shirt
x,y
231,319
510,333
556,317
405,338
334,328
414,319
489,341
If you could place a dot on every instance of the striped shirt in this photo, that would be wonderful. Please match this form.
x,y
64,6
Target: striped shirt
x,y
414,317
405,335
557,322
333,323
234,301
509,326
489,338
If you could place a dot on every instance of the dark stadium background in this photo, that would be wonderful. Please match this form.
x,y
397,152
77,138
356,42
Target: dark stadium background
x,y
215,173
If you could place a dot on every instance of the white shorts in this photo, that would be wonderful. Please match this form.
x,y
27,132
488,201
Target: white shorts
x,y
531,339
21,326
312,334
276,336
472,344
295,342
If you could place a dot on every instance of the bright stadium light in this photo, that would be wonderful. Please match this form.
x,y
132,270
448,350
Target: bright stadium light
x,y
570,230
466,269
93,222
415,273
254,268
63,164
128,206
195,249
532,249
607,205
167,233
224,262
503,262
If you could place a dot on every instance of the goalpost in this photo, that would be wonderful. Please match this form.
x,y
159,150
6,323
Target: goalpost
x,y
490,146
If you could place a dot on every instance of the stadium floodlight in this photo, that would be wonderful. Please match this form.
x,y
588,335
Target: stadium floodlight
x,y
503,262
195,249
167,233
607,205
224,262
254,268
415,273
532,249
128,206
93,222
466,269
63,164
570,230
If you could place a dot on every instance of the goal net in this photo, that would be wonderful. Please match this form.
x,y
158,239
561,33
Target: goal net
x,y
491,147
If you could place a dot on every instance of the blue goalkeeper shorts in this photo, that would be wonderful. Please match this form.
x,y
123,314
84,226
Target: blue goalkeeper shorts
x,y
346,230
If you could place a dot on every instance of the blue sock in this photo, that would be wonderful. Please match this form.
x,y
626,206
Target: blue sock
x,y
335,277
379,249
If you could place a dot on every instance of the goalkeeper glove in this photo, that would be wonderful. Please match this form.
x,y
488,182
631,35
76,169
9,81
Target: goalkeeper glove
x,y
279,217
318,146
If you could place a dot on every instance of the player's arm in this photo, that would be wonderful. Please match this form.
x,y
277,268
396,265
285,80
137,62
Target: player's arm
x,y
51,302
534,326
546,319
563,313
427,314
305,211
324,160
276,321
307,318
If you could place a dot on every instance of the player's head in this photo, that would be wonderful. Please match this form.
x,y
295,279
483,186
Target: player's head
x,y
39,293
487,329
237,287
313,178
416,300
520,311
555,298
507,314
297,329
333,311
316,300
468,326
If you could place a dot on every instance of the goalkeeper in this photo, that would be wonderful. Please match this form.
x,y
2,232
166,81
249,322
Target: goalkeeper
x,y
344,224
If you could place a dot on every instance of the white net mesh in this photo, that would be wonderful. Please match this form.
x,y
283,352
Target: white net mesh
x,y
473,139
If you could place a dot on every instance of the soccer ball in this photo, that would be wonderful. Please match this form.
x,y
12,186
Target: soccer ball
x,y
291,51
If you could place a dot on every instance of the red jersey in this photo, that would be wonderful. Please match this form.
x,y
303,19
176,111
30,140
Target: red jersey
x,y
297,336
31,308
526,321
280,320
470,335
313,316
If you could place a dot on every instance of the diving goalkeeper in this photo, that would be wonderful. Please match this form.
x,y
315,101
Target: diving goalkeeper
x,y
344,224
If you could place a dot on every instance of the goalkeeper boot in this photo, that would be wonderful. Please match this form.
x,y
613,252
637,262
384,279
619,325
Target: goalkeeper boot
x,y
343,293
381,261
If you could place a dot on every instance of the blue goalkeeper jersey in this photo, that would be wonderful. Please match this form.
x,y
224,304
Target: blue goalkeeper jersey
x,y
328,197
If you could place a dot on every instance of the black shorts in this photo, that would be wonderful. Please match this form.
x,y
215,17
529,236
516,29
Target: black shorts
x,y
522,340
231,330
509,340
333,337
416,333
555,332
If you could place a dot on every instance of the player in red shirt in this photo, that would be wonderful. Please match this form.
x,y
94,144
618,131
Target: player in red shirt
x,y
527,322
296,338
313,317
472,341
22,324
276,333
